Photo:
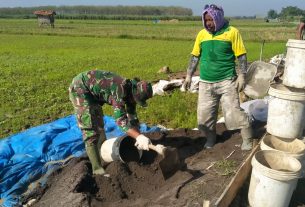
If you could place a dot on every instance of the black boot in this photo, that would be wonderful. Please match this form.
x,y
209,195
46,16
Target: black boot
x,y
211,139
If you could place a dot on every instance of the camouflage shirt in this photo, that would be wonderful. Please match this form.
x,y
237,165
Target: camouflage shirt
x,y
107,87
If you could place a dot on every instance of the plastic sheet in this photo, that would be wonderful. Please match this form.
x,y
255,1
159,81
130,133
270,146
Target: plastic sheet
x,y
32,154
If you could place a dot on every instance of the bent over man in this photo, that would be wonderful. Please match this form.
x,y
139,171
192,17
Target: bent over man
x,y
89,91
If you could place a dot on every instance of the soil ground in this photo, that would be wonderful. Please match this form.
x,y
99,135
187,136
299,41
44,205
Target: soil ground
x,y
203,175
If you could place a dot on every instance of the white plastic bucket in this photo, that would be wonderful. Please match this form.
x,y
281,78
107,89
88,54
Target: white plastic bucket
x,y
286,111
273,179
294,72
294,148
121,148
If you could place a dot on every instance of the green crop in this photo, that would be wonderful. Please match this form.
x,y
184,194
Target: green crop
x,y
38,64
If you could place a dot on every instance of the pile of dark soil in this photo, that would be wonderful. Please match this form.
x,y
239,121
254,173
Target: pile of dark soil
x,y
203,175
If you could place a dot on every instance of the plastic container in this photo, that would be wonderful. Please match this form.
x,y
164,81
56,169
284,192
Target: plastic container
x,y
294,72
258,79
121,148
286,111
295,148
273,179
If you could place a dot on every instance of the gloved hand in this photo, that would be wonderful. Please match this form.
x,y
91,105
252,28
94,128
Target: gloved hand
x,y
142,142
240,82
160,149
187,83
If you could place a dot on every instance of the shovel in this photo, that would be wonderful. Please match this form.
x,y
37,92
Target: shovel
x,y
259,76
170,162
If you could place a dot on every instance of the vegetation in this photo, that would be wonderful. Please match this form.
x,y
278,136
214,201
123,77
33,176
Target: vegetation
x,y
272,14
288,12
38,64
252,30
225,167
99,12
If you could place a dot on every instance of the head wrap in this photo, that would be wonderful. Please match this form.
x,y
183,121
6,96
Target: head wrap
x,y
216,12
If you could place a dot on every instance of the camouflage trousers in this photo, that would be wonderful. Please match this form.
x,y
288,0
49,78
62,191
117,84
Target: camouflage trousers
x,y
88,112
210,95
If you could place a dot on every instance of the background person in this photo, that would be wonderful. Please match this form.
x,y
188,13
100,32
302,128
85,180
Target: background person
x,y
89,91
215,49
301,29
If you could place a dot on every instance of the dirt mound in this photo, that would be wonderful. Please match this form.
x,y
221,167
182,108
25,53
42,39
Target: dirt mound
x,y
204,173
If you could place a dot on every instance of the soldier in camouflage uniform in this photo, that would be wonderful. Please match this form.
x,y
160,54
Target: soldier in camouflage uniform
x,y
89,91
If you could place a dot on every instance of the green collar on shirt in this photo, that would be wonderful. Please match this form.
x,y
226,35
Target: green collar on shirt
x,y
224,29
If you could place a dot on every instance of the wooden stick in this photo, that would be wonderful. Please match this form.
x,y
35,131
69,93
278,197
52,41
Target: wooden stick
x,y
206,203
237,181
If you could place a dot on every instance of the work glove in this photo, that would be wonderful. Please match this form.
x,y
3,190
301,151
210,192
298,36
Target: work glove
x,y
160,149
240,82
142,142
187,83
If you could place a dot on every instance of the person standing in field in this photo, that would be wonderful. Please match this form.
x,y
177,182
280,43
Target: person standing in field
x,y
216,48
89,91
301,29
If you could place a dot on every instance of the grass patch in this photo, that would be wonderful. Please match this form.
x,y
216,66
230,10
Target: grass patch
x,y
225,167
251,30
38,64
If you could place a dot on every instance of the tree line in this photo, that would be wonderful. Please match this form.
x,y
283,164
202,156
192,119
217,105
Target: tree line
x,y
97,12
289,12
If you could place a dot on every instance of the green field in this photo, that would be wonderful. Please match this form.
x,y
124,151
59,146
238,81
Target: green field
x,y
38,64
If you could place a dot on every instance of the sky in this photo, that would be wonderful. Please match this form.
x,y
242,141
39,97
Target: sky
x,y
231,7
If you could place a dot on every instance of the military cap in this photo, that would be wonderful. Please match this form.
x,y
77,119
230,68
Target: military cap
x,y
141,91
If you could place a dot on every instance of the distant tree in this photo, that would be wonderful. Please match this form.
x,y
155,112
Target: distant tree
x,y
291,11
87,11
272,14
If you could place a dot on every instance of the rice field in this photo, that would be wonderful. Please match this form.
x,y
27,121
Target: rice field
x,y
38,64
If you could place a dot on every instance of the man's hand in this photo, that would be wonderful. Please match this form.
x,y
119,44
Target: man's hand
x,y
190,71
187,83
240,82
160,149
142,142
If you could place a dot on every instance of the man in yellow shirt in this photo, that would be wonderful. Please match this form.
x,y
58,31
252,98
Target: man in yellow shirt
x,y
216,48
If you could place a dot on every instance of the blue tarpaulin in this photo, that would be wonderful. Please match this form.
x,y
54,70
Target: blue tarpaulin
x,y
27,156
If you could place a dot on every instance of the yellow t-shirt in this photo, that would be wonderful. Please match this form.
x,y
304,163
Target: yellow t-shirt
x,y
218,52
